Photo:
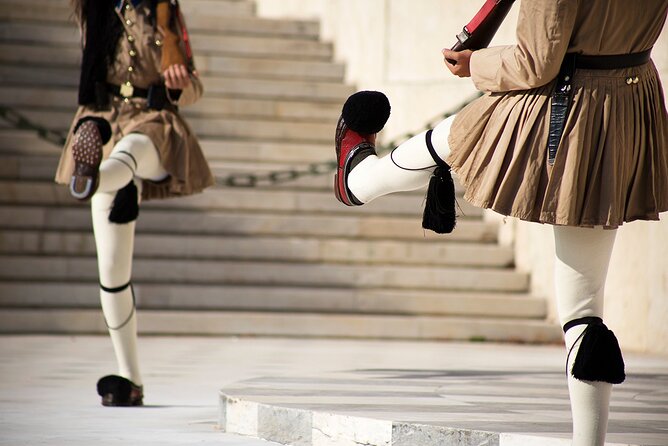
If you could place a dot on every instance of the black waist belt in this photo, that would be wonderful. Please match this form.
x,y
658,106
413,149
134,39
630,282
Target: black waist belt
x,y
135,92
561,96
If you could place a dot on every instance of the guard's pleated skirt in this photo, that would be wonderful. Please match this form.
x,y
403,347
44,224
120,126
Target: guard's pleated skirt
x,y
611,165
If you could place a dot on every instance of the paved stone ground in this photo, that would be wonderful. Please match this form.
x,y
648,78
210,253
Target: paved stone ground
x,y
47,391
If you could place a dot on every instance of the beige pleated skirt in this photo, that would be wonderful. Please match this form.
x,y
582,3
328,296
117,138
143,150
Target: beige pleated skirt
x,y
179,150
611,165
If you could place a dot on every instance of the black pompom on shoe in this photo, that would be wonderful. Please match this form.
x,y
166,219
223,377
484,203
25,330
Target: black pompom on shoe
x,y
117,391
366,112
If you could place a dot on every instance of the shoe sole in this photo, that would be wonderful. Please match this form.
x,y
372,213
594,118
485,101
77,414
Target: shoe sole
x,y
87,154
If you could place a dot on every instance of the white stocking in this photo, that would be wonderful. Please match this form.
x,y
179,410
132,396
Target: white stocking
x,y
374,177
581,267
134,156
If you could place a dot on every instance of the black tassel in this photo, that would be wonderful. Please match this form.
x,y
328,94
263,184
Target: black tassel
x,y
599,357
126,207
439,215
439,209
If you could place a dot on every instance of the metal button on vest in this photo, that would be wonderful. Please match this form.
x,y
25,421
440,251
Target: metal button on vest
x,y
133,53
636,80
131,39
129,22
629,80
158,42
131,69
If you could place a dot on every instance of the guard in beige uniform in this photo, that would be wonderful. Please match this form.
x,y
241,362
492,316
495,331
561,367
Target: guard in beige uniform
x,y
128,140
572,131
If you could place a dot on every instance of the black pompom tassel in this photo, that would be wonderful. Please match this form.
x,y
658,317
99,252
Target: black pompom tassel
x,y
439,210
366,112
126,207
599,357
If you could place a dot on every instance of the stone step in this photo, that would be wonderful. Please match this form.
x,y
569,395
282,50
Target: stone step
x,y
232,128
286,324
58,35
218,20
79,295
76,217
23,76
266,248
207,64
42,167
64,100
235,199
168,271
200,7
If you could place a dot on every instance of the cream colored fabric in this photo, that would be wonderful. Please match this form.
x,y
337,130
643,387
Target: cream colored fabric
x,y
180,153
374,177
612,163
115,243
133,156
581,268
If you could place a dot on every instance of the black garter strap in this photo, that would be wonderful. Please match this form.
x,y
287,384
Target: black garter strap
x,y
432,151
134,304
582,321
115,290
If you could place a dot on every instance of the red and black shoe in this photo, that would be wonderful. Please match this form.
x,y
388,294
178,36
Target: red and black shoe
x,y
118,391
90,134
364,115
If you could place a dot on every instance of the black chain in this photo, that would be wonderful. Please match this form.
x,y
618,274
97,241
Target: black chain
x,y
17,120
246,180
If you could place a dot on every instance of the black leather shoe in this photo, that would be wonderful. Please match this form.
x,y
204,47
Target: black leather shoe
x,y
118,391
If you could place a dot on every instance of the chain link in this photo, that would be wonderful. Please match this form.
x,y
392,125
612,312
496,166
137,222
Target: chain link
x,y
241,180
18,121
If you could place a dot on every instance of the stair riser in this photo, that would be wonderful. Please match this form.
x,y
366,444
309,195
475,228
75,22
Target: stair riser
x,y
257,324
283,299
245,67
216,21
250,224
271,273
289,249
232,199
68,35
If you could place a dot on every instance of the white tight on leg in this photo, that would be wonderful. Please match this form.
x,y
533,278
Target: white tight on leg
x,y
374,177
133,156
581,267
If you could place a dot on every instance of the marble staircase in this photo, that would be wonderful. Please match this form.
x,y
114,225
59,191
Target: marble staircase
x,y
278,260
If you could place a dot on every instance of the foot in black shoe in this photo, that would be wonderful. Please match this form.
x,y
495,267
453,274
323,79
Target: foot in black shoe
x,y
364,114
118,391
89,137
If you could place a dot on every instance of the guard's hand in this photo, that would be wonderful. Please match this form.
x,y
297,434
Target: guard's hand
x,y
176,77
462,59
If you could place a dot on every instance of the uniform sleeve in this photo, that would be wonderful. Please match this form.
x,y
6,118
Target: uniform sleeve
x,y
544,30
190,94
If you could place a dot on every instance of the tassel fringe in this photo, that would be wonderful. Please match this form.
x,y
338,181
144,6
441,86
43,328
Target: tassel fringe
x,y
440,213
126,207
599,357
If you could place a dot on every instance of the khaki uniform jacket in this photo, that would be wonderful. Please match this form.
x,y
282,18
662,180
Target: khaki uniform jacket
x,y
612,163
137,60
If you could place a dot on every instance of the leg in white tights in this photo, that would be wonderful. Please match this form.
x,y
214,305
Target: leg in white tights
x,y
374,177
581,267
133,156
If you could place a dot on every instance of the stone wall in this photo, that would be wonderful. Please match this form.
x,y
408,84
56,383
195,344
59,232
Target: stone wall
x,y
394,46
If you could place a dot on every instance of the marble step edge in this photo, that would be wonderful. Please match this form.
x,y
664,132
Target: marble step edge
x,y
278,273
85,295
333,250
246,323
48,193
249,223
306,427
213,22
